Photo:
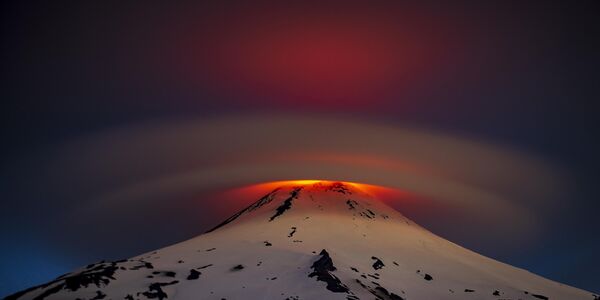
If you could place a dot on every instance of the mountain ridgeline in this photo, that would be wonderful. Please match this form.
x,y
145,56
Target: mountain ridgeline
x,y
324,240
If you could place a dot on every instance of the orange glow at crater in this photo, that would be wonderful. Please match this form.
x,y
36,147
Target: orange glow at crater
x,y
230,201
380,192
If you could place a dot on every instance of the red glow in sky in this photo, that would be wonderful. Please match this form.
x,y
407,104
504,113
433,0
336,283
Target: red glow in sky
x,y
296,56
308,63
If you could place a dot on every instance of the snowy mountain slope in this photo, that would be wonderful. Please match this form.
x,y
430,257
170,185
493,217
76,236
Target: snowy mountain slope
x,y
318,241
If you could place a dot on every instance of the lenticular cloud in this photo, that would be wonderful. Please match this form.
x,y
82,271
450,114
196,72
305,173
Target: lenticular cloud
x,y
492,186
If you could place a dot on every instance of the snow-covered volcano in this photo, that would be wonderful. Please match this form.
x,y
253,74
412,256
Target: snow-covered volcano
x,y
317,241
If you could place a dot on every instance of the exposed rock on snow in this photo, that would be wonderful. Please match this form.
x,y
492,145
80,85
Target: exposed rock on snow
x,y
318,241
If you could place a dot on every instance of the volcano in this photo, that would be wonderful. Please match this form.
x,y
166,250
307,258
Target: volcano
x,y
323,240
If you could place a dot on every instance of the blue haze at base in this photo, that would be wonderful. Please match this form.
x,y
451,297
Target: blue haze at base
x,y
24,266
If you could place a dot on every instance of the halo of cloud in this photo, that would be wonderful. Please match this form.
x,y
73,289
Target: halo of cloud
x,y
504,190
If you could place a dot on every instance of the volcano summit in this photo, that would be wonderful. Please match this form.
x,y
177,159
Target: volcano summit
x,y
323,240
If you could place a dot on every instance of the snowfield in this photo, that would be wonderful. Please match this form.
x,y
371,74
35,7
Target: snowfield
x,y
317,241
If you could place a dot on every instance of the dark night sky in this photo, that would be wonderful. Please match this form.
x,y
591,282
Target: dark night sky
x,y
507,72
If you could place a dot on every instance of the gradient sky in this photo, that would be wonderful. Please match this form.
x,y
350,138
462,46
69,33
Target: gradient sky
x,y
524,75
